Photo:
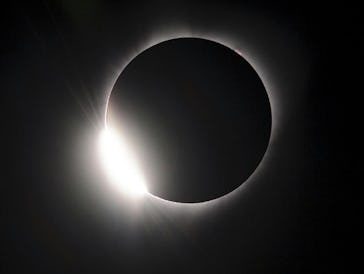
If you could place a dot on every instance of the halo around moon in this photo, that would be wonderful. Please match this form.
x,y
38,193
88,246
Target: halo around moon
x,y
195,141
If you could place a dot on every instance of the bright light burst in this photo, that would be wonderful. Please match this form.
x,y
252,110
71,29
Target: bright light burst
x,y
120,165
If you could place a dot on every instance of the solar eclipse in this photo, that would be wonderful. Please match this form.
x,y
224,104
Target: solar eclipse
x,y
198,126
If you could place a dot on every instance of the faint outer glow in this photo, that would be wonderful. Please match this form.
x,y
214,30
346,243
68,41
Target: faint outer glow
x,y
120,165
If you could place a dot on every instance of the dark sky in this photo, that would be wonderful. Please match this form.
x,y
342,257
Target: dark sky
x,y
58,60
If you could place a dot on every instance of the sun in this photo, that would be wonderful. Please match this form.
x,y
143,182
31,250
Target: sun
x,y
120,164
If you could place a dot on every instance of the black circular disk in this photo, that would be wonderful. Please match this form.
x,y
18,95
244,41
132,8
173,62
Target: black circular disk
x,y
196,115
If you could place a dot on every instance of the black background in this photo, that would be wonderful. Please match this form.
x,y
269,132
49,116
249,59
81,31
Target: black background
x,y
56,62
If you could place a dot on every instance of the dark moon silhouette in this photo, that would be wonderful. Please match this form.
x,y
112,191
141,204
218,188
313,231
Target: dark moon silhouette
x,y
196,115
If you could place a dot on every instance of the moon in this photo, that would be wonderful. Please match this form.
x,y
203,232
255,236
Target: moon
x,y
195,115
